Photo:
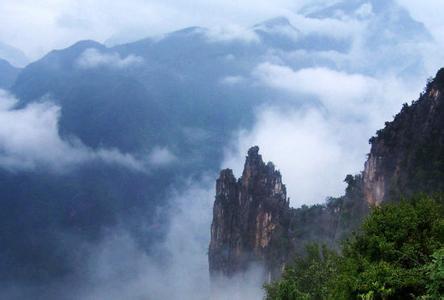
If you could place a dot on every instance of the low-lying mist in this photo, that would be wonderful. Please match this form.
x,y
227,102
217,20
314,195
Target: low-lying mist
x,y
176,268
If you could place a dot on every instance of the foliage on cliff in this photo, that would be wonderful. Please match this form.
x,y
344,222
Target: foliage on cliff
x,y
397,254
407,155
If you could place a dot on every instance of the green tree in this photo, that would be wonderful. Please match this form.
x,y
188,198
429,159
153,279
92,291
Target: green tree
x,y
306,278
396,255
396,241
435,273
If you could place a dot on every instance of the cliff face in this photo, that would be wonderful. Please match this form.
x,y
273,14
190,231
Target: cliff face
x,y
252,221
407,156
249,218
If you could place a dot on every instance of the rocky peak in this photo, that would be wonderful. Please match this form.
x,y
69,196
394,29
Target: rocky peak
x,y
253,157
253,164
248,217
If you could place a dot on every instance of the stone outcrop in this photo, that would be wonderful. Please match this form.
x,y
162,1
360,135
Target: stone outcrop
x,y
249,218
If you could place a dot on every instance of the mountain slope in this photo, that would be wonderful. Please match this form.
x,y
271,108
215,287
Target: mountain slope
x,y
8,74
406,156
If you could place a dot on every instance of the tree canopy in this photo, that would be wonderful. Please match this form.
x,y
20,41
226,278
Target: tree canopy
x,y
397,254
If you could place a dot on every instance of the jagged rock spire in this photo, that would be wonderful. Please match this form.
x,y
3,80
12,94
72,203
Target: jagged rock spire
x,y
247,214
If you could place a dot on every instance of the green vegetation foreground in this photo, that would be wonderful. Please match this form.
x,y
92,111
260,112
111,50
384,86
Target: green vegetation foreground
x,y
397,254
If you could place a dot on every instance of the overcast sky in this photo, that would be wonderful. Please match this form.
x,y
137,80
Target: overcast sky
x,y
360,93
39,26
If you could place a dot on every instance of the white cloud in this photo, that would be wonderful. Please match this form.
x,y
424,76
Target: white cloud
x,y
232,80
339,28
183,271
120,269
161,156
341,93
317,144
429,13
229,33
321,82
365,10
29,139
39,26
312,152
282,28
93,58
13,55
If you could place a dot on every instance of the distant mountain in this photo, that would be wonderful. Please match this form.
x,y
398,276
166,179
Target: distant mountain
x,y
192,77
15,56
8,74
